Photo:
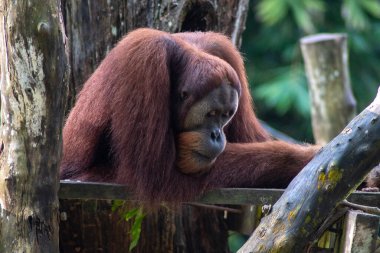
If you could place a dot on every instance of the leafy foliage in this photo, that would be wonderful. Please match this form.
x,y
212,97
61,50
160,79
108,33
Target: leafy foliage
x,y
355,13
286,91
133,215
302,11
274,62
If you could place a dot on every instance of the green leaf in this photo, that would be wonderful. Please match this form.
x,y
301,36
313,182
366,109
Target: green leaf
x,y
302,17
354,15
287,90
315,5
135,215
371,6
136,229
272,11
116,204
130,214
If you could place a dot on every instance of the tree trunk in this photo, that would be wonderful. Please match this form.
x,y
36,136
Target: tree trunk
x,y
34,75
93,29
328,179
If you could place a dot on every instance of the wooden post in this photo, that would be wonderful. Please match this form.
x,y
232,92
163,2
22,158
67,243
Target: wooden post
x,y
359,232
328,179
34,74
333,105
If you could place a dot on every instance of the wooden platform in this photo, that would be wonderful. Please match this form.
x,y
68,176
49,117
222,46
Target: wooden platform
x,y
232,196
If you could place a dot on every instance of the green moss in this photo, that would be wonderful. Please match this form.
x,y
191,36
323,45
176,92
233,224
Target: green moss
x,y
308,219
293,213
262,248
334,175
329,181
321,180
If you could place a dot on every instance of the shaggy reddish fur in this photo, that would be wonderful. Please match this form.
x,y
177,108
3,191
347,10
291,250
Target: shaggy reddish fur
x,y
122,127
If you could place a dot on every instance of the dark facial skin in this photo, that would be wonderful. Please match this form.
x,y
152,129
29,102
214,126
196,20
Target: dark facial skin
x,y
201,138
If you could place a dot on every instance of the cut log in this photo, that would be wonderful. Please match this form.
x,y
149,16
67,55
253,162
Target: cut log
x,y
333,105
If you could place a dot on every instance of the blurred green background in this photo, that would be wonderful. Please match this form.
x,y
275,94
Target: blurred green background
x,y
274,61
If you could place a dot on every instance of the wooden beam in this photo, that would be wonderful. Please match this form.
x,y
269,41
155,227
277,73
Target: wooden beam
x,y
88,190
232,196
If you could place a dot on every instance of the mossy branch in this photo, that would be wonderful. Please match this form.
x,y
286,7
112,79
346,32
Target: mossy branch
x,y
326,181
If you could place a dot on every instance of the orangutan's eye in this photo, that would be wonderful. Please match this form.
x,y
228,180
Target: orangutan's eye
x,y
184,95
228,114
211,113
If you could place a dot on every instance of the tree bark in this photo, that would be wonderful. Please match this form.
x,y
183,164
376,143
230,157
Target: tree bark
x,y
328,179
34,75
333,105
93,29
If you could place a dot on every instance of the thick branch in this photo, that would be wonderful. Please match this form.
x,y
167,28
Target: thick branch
x,y
328,179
